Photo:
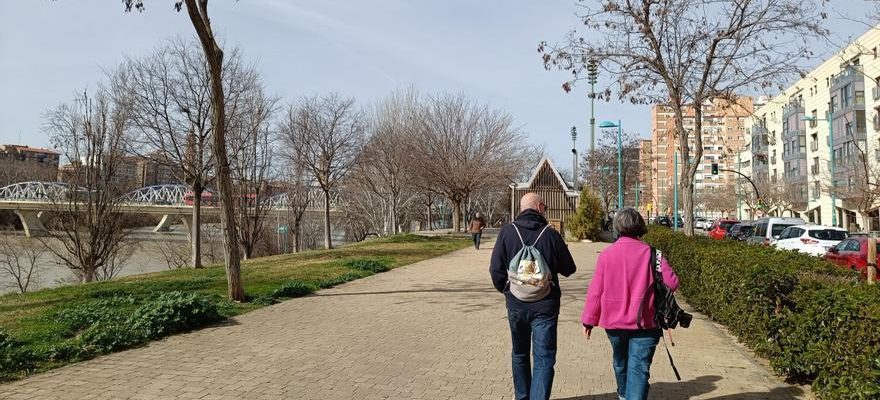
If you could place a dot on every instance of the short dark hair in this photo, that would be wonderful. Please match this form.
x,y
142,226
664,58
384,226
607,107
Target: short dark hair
x,y
628,222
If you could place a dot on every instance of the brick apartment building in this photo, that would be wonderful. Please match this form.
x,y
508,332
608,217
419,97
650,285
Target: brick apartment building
x,y
19,163
724,134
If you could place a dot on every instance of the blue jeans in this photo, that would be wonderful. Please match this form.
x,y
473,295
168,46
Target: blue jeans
x,y
532,331
633,351
476,237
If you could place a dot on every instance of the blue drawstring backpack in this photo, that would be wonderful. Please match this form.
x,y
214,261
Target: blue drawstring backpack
x,y
528,273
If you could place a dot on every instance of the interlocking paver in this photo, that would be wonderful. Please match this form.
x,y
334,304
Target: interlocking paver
x,y
432,330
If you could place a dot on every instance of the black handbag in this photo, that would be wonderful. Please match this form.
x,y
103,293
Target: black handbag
x,y
667,313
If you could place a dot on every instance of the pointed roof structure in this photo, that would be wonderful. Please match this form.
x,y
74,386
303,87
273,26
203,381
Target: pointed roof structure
x,y
545,176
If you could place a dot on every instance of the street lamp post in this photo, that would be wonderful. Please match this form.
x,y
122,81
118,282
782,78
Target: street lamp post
x,y
574,157
609,124
831,148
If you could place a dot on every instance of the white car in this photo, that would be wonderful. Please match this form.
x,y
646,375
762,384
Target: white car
x,y
700,223
811,239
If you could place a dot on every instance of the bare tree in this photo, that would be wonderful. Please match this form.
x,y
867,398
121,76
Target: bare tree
x,y
198,15
172,116
384,168
599,167
682,53
328,132
250,141
20,260
91,132
174,254
462,146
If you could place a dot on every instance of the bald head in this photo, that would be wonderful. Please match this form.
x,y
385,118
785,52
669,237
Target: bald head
x,y
532,201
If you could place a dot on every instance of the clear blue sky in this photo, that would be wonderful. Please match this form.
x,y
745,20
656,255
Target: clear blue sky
x,y
364,49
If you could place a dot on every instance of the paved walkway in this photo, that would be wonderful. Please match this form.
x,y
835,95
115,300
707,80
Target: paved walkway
x,y
433,330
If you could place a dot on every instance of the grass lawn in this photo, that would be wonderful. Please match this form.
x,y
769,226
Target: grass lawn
x,y
36,331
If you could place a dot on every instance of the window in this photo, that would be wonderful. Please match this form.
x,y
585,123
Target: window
x,y
815,121
828,234
846,95
860,97
833,104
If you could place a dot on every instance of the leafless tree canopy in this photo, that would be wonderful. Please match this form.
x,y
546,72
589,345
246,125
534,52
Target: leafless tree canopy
x,y
328,131
20,260
599,168
684,52
91,132
250,148
462,146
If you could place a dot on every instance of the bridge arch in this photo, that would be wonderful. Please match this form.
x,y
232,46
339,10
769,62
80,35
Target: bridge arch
x,y
37,191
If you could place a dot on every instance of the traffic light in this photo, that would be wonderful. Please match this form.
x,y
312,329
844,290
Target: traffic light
x,y
714,168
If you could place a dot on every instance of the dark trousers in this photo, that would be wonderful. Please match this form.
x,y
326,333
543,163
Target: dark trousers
x,y
476,237
633,351
532,332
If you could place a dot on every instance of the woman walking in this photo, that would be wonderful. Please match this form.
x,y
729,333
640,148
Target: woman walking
x,y
476,227
616,301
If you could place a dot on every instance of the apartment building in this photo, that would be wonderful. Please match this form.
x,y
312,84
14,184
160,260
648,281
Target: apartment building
x,y
20,163
791,151
723,135
646,152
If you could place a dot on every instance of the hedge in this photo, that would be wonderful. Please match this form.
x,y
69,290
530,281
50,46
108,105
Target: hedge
x,y
815,322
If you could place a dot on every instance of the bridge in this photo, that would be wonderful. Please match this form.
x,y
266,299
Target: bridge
x,y
33,201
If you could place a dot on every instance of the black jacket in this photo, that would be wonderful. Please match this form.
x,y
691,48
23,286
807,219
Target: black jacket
x,y
552,248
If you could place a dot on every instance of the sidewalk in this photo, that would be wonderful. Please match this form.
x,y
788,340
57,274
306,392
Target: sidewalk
x,y
433,330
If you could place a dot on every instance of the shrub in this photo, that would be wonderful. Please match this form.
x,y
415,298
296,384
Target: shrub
x,y
814,321
340,279
83,315
13,357
369,265
587,219
293,289
174,312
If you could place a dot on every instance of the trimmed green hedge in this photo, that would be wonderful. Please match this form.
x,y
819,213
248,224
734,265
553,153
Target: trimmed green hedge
x,y
815,322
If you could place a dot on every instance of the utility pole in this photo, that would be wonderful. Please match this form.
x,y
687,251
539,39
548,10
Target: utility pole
x,y
739,214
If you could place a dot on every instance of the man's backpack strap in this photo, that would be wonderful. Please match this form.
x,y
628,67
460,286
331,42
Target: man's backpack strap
x,y
539,235
518,234
650,290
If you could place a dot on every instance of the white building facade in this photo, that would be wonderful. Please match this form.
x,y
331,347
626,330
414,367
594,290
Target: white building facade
x,y
789,151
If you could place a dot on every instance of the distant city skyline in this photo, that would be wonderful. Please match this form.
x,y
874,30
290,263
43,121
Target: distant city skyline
x,y
366,50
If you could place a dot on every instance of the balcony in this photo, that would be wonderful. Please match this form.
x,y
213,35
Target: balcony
x,y
849,74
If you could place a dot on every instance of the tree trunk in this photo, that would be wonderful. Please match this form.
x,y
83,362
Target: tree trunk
x,y
89,274
196,229
327,243
296,236
214,56
430,222
456,216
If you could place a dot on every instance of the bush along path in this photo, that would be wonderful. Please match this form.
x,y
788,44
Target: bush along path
x,y
54,327
815,322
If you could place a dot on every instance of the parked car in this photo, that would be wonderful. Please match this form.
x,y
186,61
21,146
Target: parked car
x,y
663,220
720,227
851,253
700,223
740,231
811,239
768,229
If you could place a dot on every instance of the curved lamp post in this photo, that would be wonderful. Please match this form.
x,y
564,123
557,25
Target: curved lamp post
x,y
610,124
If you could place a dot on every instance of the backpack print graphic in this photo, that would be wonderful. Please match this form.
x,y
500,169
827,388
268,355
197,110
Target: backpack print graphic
x,y
528,273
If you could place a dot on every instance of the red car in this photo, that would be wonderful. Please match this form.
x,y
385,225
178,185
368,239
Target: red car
x,y
719,228
851,253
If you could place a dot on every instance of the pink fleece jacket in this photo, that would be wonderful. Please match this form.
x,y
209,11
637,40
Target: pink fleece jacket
x,y
619,285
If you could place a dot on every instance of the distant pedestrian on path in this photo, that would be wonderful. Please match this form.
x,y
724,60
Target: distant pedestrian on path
x,y
532,323
618,293
476,229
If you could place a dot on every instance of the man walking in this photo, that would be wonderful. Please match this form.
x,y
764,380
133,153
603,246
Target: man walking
x,y
476,229
532,323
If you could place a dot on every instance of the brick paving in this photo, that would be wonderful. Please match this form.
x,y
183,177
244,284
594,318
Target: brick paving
x,y
432,330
